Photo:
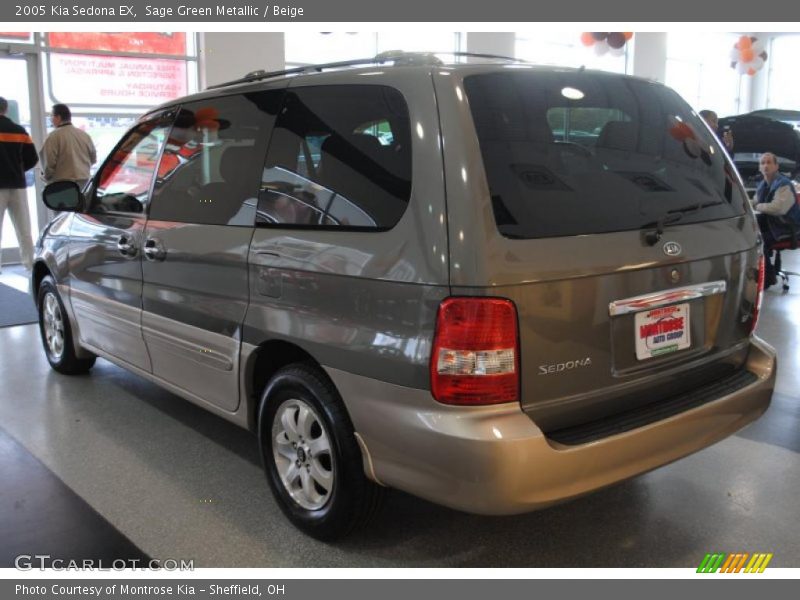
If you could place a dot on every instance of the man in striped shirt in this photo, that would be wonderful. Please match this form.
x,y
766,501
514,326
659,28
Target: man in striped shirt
x,y
17,155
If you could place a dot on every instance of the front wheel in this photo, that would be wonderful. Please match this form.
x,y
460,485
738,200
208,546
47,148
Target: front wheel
x,y
311,457
56,332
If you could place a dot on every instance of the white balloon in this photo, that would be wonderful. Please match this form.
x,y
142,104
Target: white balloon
x,y
758,46
734,54
600,47
616,51
756,63
741,67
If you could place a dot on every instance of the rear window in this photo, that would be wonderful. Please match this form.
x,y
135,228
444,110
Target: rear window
x,y
570,153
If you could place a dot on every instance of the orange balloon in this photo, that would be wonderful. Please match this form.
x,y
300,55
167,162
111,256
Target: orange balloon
x,y
587,39
744,42
747,55
681,132
751,71
628,35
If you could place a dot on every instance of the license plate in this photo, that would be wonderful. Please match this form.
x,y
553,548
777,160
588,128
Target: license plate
x,y
662,331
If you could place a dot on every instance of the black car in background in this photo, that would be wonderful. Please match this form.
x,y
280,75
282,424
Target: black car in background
x,y
768,130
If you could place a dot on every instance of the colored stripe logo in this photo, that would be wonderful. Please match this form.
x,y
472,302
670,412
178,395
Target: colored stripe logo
x,y
740,562
18,138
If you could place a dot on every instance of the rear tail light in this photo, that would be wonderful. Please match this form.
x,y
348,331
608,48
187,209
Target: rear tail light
x,y
475,354
759,295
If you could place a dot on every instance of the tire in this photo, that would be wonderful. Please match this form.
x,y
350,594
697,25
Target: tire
x,y
311,457
56,332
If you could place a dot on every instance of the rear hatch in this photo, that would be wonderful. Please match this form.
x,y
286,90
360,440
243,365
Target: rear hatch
x,y
623,238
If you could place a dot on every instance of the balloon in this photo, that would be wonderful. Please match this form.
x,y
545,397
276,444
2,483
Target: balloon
x,y
692,148
680,130
748,55
616,39
607,42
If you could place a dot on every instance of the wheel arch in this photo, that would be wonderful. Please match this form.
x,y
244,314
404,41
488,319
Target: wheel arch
x,y
39,272
267,359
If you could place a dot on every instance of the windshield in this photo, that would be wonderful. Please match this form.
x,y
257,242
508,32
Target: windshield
x,y
570,153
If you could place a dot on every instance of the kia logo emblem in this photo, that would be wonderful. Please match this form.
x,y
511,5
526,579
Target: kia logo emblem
x,y
672,249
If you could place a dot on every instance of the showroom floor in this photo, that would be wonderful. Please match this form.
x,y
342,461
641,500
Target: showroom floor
x,y
152,475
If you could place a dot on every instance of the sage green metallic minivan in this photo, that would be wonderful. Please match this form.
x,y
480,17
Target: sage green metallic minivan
x,y
492,285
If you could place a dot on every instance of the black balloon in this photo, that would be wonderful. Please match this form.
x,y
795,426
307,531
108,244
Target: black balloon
x,y
600,36
616,39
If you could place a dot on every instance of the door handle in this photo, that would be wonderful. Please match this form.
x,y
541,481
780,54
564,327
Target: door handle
x,y
154,250
126,246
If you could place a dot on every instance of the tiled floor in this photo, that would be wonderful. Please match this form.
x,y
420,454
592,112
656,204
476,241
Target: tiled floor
x,y
180,483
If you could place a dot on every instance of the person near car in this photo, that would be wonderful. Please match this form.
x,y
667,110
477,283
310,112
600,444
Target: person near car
x,y
68,152
778,211
710,117
17,155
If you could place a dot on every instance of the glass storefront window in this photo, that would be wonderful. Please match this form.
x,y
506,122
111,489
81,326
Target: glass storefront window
x,y
783,89
25,37
89,80
109,90
701,72
322,47
172,43
14,75
564,49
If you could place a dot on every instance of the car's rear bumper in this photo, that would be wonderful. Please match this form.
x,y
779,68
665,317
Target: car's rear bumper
x,y
494,460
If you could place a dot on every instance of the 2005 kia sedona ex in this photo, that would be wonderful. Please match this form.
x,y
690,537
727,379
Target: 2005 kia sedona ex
x,y
493,285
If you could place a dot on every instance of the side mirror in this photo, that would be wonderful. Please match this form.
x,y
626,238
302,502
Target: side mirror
x,y
63,196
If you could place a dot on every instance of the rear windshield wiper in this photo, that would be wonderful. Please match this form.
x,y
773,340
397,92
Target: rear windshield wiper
x,y
672,216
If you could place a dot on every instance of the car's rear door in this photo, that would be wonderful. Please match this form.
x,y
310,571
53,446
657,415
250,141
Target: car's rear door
x,y
195,291
618,227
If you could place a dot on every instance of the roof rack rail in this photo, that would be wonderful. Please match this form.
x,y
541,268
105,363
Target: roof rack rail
x,y
395,56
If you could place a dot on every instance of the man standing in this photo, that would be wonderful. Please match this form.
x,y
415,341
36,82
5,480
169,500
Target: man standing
x,y
17,155
710,117
776,207
68,153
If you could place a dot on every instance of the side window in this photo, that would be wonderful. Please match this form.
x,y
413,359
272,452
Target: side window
x,y
123,184
211,166
340,156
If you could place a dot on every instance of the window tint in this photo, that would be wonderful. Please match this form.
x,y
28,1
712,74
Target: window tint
x,y
570,153
340,156
211,166
123,184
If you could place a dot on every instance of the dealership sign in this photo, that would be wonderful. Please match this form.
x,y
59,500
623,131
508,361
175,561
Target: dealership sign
x,y
113,80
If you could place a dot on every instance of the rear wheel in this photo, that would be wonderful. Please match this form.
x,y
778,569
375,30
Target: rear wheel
x,y
311,457
56,332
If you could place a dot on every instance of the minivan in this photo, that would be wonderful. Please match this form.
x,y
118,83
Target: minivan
x,y
493,285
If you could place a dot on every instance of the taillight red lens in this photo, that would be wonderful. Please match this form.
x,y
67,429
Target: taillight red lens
x,y
475,352
759,295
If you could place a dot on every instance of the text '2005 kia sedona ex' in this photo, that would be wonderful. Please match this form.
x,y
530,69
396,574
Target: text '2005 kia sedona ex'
x,y
494,286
